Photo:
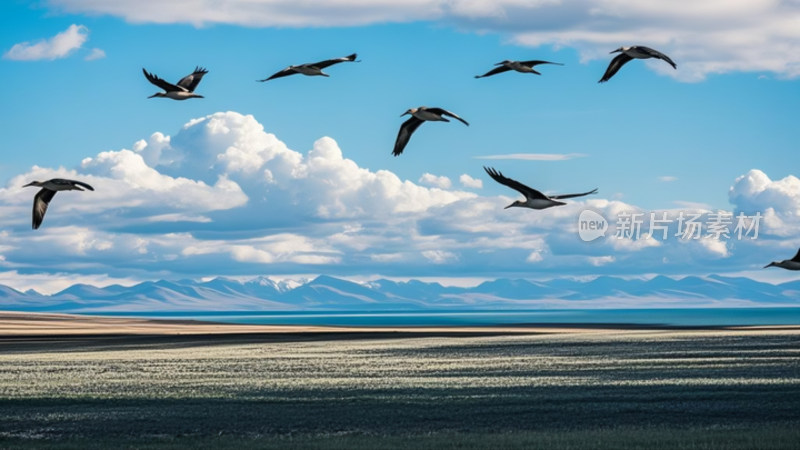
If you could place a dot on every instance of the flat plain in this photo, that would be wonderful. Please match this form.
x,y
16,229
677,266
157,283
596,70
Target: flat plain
x,y
514,387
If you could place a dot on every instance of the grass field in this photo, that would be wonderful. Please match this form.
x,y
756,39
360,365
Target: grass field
x,y
691,389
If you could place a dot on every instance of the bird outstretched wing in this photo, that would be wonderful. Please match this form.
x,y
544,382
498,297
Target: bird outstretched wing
x,y
165,85
527,191
285,72
614,66
657,54
562,196
444,112
40,203
330,62
190,82
495,71
406,130
74,183
536,62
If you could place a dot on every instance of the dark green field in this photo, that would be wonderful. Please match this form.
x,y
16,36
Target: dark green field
x,y
691,389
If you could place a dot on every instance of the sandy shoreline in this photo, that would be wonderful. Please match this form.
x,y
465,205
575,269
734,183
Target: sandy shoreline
x,y
22,324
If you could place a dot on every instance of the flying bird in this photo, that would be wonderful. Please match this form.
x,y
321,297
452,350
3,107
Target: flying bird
x,y
311,69
419,115
628,53
181,91
789,264
533,198
46,193
519,66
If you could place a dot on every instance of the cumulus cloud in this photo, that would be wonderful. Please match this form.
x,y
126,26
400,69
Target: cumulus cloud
x,y
224,197
59,46
429,179
779,201
469,182
704,38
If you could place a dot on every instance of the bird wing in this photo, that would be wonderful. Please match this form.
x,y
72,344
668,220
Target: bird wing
x,y
614,66
81,184
527,191
161,83
73,183
190,82
559,197
796,257
40,202
495,71
536,62
285,72
330,62
406,130
444,112
659,55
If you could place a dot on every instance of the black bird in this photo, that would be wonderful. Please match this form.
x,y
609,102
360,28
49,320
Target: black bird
x,y
311,69
789,264
629,53
49,189
419,115
533,198
519,66
181,91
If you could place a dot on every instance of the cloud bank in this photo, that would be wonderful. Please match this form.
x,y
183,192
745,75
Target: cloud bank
x,y
59,46
708,37
224,197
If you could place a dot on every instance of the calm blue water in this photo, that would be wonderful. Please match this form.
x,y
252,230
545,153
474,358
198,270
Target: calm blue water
x,y
677,317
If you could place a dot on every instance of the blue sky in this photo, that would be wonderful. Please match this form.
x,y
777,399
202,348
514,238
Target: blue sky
x,y
650,139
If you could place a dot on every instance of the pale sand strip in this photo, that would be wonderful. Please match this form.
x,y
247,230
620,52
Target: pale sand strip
x,y
36,324
19,324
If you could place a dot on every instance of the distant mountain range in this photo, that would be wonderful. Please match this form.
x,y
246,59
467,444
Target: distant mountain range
x,y
334,294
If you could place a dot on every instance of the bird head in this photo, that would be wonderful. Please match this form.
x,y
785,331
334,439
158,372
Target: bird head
x,y
410,111
516,203
772,264
505,61
621,49
34,183
157,94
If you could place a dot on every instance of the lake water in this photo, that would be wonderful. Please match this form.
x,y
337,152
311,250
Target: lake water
x,y
673,317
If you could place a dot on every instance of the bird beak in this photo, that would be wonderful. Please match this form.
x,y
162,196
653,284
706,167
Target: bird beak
x,y
499,64
615,51
200,96
29,184
154,95
769,265
509,206
401,115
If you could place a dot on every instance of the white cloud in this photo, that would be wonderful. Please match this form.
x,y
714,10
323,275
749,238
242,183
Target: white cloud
x,y
704,38
779,201
224,197
429,179
469,182
535,156
439,256
667,178
96,53
59,46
